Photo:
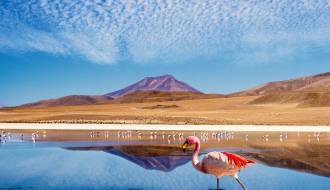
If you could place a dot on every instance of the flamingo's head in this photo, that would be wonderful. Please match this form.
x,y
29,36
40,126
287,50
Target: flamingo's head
x,y
191,140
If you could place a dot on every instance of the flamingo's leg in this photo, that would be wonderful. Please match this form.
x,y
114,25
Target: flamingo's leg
x,y
240,183
218,185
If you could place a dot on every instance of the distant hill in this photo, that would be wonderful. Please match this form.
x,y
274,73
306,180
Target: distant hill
x,y
70,101
320,82
166,83
311,91
161,96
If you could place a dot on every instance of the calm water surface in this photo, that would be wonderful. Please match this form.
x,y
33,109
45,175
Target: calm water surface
x,y
153,160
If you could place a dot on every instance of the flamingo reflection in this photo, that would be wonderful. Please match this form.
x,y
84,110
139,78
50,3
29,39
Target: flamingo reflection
x,y
218,164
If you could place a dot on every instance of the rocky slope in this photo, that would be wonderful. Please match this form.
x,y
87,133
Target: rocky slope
x,y
320,82
311,91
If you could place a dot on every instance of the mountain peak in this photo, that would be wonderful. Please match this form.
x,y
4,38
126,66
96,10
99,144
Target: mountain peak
x,y
162,76
167,83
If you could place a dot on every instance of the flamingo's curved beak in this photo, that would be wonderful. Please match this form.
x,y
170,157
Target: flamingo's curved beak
x,y
184,146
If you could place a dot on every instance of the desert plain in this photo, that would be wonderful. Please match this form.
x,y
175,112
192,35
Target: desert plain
x,y
221,110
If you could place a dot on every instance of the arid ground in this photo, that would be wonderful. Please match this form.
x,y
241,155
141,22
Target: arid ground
x,y
222,110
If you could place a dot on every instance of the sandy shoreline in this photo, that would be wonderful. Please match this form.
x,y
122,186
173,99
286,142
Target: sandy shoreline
x,y
270,128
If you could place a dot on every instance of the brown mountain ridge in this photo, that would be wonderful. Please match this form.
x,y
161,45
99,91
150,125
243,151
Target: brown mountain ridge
x,y
319,82
310,91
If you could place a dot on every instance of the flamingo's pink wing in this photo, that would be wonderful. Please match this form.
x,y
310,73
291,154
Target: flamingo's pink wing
x,y
237,160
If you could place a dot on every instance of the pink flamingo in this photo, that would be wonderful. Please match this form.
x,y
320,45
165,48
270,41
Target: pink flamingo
x,y
218,164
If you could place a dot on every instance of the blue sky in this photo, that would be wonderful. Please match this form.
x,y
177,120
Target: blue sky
x,y
55,48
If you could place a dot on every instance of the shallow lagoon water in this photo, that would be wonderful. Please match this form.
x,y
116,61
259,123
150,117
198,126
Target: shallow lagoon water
x,y
143,160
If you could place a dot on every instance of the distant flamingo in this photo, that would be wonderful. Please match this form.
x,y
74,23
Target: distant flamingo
x,y
218,164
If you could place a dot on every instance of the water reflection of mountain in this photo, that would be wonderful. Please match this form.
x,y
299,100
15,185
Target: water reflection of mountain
x,y
310,158
149,157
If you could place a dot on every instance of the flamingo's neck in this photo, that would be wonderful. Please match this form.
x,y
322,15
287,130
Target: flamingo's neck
x,y
195,161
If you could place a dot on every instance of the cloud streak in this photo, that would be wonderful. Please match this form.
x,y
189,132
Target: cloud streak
x,y
107,31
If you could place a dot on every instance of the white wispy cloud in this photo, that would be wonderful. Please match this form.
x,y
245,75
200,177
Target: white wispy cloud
x,y
105,31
